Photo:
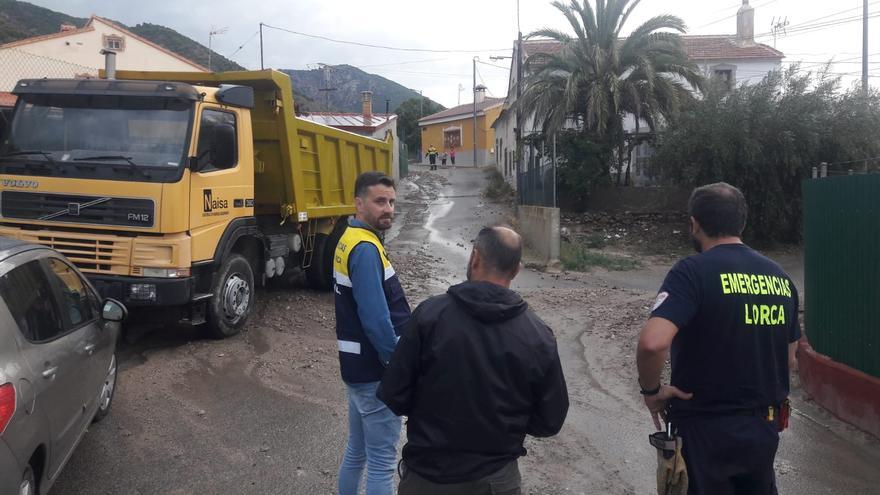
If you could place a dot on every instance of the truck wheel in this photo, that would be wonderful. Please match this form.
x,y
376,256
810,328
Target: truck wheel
x,y
320,273
233,297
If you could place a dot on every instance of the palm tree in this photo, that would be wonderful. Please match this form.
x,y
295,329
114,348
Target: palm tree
x,y
597,77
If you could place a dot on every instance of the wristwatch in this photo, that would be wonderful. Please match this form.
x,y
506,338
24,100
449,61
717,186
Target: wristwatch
x,y
653,391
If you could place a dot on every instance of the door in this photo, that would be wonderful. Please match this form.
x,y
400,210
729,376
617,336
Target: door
x,y
50,358
219,191
80,313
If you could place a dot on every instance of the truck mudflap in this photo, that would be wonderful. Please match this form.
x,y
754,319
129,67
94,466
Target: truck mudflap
x,y
140,291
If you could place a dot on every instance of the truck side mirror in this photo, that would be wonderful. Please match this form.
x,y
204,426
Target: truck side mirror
x,y
223,148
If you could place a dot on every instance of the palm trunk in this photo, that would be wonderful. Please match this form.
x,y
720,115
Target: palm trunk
x,y
628,181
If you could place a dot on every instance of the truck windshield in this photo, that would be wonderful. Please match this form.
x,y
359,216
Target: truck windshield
x,y
75,130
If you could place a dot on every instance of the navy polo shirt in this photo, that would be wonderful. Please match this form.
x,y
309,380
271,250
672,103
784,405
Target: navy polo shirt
x,y
736,312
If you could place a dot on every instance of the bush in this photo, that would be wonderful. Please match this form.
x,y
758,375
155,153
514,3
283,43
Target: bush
x,y
766,138
498,188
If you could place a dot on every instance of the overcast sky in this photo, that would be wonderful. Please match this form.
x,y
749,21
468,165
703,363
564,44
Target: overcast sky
x,y
486,26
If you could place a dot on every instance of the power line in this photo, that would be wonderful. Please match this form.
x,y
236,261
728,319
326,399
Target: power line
x,y
812,25
733,15
402,63
243,44
383,47
493,65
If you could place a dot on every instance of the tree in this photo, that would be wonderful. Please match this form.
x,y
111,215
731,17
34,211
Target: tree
x,y
597,77
765,139
408,114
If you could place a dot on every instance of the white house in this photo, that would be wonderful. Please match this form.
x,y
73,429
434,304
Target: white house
x,y
76,52
736,58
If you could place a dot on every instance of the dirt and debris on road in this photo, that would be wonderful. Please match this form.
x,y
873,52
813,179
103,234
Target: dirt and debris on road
x,y
264,411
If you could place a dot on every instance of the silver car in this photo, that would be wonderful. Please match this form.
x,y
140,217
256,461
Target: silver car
x,y
57,363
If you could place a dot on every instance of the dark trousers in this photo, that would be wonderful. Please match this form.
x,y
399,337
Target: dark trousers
x,y
729,455
432,159
505,481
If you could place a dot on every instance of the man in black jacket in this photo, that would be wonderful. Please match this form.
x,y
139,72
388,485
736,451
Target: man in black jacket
x,y
475,371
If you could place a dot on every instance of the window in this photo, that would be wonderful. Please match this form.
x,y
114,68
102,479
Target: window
x,y
77,303
452,138
29,297
115,43
210,120
725,73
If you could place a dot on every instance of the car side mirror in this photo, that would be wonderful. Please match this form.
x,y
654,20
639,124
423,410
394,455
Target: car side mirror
x,y
223,146
114,310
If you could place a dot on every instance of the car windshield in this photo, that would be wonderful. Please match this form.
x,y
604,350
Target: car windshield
x,y
76,129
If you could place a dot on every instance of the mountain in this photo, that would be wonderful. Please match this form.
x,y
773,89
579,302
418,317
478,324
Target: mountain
x,y
346,84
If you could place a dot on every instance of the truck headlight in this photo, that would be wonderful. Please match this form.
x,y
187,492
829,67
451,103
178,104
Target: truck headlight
x,y
166,272
142,292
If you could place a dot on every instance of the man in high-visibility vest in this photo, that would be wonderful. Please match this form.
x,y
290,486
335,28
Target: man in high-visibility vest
x,y
432,156
371,311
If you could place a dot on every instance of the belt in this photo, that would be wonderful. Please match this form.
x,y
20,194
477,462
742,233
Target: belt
x,y
769,412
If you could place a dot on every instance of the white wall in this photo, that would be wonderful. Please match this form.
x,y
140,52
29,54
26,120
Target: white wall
x,y
391,125
79,54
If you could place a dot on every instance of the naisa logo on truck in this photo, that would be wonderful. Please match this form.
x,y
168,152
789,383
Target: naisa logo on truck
x,y
211,204
21,184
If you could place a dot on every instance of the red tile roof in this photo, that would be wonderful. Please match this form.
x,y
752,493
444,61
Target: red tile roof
x,y
698,48
343,120
466,109
726,47
7,99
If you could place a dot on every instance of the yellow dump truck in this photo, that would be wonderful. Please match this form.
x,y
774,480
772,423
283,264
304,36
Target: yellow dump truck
x,y
180,191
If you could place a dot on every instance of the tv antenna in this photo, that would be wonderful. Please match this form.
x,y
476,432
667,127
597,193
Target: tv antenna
x,y
777,27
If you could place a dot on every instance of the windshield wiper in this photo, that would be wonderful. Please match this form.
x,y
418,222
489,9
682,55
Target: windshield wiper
x,y
106,157
47,155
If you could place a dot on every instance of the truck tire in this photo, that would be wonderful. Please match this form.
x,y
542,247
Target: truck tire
x,y
320,273
233,297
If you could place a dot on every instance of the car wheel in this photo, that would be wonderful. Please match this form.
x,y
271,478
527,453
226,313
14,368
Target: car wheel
x,y
28,485
108,390
233,297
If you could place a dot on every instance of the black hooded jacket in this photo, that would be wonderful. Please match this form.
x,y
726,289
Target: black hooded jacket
x,y
475,371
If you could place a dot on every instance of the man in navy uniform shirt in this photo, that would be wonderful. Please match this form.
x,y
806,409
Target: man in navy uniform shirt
x,y
730,317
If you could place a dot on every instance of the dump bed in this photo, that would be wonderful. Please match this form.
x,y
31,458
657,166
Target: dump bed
x,y
301,168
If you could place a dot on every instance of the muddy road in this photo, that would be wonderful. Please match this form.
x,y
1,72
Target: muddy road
x,y
264,412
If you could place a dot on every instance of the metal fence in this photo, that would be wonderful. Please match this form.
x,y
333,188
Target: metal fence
x,y
537,186
842,269
18,64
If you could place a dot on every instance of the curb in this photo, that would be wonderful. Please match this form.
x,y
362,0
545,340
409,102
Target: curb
x,y
849,394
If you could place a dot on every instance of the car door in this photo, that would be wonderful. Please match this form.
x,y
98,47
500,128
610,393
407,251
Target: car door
x,y
93,347
50,358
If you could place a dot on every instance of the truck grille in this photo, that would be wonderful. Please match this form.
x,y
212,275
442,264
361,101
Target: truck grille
x,y
91,253
69,208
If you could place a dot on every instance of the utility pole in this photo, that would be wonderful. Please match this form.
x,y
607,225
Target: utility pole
x,y
519,76
325,70
865,48
475,111
262,67
213,32
387,108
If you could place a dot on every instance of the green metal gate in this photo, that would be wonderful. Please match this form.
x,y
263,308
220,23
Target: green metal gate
x,y
842,269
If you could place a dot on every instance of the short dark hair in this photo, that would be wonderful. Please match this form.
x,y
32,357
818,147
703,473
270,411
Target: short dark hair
x,y
369,179
499,254
720,209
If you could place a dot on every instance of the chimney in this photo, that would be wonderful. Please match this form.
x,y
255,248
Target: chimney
x,y
368,107
745,24
67,27
109,64
480,93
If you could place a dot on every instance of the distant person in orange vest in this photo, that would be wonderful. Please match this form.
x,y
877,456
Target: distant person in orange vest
x,y
432,156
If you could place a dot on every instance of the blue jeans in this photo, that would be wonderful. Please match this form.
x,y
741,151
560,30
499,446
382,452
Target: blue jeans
x,y
373,432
